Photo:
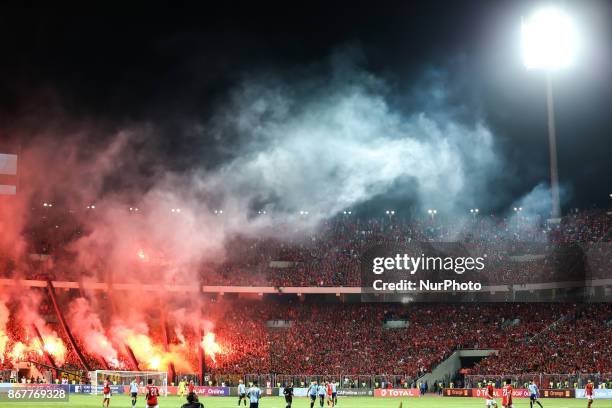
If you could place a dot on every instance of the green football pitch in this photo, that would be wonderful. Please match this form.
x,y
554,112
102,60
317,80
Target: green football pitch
x,y
121,401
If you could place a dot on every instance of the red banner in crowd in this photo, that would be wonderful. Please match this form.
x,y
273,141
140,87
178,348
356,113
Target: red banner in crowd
x,y
396,392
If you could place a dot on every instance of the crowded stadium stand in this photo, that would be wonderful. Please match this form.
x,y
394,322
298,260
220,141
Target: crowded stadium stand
x,y
283,337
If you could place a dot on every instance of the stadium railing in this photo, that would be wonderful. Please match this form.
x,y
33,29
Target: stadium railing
x,y
343,381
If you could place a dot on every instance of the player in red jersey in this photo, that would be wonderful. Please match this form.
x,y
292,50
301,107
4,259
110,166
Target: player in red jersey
x,y
588,392
507,395
490,396
152,394
330,398
107,393
190,387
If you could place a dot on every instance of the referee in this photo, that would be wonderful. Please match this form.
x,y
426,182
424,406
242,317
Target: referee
x,y
288,392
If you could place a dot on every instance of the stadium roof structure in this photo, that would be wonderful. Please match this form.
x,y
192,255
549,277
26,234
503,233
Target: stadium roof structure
x,y
306,290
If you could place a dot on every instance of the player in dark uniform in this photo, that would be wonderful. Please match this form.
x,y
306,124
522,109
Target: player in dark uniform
x,y
288,392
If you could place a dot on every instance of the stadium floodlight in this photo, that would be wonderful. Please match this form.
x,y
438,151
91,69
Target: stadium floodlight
x,y
550,40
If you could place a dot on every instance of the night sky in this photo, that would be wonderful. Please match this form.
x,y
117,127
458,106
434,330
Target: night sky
x,y
120,64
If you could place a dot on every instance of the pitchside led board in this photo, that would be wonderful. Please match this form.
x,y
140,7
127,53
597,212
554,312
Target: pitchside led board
x,y
8,174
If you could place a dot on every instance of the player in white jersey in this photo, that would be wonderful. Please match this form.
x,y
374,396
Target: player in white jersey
x,y
321,391
254,395
241,393
534,392
134,391
334,393
312,393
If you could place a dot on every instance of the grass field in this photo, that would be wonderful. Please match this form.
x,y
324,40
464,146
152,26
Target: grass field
x,y
86,401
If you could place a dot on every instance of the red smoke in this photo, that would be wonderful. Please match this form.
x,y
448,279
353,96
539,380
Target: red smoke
x,y
106,242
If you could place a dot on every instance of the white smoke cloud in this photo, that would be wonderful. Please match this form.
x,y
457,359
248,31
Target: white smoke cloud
x,y
339,145
317,145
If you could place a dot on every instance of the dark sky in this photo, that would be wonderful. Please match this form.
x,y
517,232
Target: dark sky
x,y
126,62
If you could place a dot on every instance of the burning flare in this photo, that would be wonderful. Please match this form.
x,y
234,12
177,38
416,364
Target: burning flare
x,y
210,346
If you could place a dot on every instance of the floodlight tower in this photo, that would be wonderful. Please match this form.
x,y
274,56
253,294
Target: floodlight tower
x,y
549,43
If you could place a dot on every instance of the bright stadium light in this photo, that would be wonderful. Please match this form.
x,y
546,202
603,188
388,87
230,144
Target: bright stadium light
x,y
550,43
550,40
